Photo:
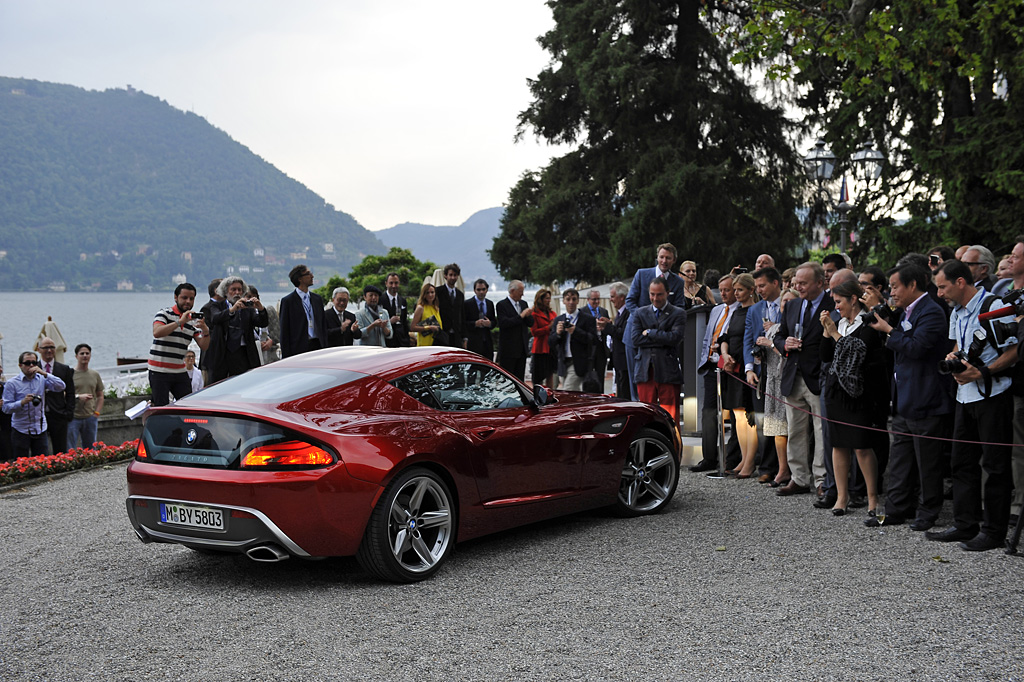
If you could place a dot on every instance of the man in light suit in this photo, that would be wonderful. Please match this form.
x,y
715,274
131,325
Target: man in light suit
x,y
572,339
450,301
638,294
657,331
718,321
398,309
342,326
922,402
479,319
799,339
514,323
302,316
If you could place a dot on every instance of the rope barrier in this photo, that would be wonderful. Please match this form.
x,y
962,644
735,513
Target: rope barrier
x,y
860,426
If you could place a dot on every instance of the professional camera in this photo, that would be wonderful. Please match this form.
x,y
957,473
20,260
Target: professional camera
x,y
36,400
972,356
879,312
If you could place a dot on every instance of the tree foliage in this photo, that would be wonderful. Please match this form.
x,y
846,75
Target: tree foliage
x,y
374,269
671,144
938,83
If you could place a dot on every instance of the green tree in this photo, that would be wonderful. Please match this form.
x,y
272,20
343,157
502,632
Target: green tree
x,y
374,269
671,144
938,83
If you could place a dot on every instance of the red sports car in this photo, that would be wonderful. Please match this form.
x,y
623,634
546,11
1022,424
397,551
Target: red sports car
x,y
392,455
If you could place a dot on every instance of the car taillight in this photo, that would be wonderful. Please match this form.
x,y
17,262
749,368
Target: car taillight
x,y
289,453
141,452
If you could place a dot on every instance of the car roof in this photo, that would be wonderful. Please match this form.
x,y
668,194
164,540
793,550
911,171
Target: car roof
x,y
385,363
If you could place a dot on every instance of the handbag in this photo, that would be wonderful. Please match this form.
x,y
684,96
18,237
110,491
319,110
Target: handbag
x,y
441,337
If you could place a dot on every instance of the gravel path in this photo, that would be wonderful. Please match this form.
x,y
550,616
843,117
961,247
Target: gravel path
x,y
731,583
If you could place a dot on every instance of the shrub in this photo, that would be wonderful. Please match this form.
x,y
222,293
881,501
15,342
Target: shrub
x,y
25,468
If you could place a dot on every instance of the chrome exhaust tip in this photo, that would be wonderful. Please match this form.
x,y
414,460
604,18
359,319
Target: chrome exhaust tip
x,y
267,553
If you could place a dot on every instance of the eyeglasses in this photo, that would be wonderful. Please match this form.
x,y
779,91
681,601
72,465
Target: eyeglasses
x,y
970,263
47,347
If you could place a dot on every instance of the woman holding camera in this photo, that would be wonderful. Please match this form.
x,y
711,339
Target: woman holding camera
x,y
426,321
854,390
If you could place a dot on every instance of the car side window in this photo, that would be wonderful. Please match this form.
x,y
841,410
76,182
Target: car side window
x,y
469,386
414,386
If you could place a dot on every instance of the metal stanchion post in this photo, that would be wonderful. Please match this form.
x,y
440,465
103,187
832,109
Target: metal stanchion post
x,y
721,429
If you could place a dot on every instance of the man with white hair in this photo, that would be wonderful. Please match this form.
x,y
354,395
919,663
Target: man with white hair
x,y
342,325
514,322
983,266
233,347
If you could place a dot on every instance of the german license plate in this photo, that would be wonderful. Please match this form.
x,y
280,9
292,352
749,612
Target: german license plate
x,y
196,517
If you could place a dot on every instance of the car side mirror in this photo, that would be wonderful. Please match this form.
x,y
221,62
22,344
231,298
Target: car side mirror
x,y
540,395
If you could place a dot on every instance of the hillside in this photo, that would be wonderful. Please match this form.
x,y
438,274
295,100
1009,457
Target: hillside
x,y
119,185
465,244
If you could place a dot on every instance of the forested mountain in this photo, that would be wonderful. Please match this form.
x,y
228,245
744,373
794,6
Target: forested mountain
x,y
465,244
100,187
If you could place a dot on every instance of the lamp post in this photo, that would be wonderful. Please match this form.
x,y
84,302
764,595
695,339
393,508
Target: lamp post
x,y
820,164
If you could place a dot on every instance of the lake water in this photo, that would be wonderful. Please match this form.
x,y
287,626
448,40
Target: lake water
x,y
114,323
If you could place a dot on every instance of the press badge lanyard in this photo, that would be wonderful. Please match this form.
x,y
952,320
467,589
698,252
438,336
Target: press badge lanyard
x,y
961,330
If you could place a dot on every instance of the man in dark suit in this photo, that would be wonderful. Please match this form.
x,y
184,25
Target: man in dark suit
x,y
342,326
233,346
572,339
397,308
514,323
922,402
479,319
982,264
638,294
799,339
60,405
215,303
657,331
616,330
603,320
302,316
450,302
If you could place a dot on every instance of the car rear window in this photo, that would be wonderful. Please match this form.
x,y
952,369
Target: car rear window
x,y
206,441
273,385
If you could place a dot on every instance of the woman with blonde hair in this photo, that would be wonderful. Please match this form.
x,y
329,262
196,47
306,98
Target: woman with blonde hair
x,y
736,395
694,292
543,362
426,321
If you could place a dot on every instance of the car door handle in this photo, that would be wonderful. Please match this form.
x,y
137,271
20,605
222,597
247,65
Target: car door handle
x,y
483,432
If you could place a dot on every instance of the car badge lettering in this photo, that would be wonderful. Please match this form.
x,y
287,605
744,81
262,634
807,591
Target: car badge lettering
x,y
190,437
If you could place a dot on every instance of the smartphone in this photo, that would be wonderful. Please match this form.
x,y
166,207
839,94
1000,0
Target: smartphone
x,y
933,260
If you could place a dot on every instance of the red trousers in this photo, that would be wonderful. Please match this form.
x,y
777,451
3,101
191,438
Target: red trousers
x,y
666,395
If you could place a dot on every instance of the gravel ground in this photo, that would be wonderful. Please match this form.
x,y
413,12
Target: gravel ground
x,y
731,583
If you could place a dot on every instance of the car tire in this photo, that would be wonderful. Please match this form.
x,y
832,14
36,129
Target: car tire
x,y
650,474
411,530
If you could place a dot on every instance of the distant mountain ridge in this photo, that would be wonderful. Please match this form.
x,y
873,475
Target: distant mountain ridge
x,y
120,187
465,244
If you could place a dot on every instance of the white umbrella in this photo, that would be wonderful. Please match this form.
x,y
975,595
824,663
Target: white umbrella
x,y
50,329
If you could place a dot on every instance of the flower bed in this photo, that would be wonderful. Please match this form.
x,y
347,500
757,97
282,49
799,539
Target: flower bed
x,y
25,468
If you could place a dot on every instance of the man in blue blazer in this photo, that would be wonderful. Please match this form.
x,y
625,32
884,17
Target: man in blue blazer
x,y
639,296
657,330
922,401
769,287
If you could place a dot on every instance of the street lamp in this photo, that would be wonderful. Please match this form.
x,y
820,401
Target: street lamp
x,y
820,164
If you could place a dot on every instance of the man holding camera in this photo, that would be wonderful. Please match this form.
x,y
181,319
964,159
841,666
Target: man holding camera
x,y
173,330
983,415
572,339
24,401
921,401
233,331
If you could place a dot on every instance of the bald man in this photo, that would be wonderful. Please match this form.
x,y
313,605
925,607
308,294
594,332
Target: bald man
x,y
60,405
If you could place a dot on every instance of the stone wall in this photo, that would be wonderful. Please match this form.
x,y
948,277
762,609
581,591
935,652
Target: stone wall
x,y
115,428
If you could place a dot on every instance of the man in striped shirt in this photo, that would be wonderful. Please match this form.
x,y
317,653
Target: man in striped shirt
x,y
173,330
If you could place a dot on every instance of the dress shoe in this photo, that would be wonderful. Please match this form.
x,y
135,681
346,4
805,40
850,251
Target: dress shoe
x,y
858,502
982,543
792,488
838,511
953,534
921,524
872,521
703,465
764,478
825,502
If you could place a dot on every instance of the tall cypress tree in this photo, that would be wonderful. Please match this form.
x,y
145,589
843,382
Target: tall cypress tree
x,y
671,144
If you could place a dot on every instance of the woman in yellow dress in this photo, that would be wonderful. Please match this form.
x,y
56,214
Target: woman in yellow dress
x,y
427,318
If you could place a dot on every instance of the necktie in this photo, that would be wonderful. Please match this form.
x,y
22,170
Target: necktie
x,y
657,314
809,306
718,332
308,308
47,368
483,313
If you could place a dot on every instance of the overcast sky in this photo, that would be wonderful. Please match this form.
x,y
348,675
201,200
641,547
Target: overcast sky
x,y
392,110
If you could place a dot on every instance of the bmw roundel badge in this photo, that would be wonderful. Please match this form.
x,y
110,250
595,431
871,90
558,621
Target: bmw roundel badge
x,y
190,437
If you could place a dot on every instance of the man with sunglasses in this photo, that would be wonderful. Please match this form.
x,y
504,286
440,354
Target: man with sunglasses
x,y
24,400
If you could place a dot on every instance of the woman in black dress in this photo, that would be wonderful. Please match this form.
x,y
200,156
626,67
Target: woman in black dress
x,y
853,389
736,395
